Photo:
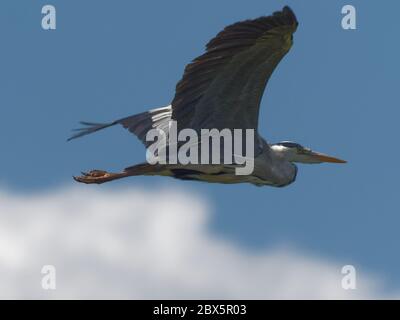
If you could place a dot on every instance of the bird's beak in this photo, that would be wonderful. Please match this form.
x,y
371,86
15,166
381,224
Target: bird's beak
x,y
325,158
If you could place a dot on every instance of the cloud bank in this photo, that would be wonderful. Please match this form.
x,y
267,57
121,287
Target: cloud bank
x,y
136,244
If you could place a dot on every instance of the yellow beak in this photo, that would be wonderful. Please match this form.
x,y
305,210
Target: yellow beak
x,y
325,158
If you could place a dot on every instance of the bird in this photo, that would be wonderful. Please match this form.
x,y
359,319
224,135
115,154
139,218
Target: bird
x,y
222,88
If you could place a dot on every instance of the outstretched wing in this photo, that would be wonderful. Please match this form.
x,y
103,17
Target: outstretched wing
x,y
223,87
138,124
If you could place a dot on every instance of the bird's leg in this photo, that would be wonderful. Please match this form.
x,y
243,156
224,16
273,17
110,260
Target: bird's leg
x,y
99,176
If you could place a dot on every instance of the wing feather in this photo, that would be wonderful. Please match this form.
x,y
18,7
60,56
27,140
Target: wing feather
x,y
222,80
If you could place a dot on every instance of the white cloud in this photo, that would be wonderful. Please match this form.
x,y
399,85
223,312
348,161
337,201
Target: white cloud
x,y
146,244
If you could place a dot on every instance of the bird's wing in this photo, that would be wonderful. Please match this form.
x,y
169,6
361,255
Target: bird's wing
x,y
223,87
138,124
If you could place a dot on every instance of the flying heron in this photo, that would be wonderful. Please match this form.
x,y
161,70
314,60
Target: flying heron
x,y
220,89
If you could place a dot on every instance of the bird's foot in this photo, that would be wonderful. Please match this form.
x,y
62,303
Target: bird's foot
x,y
95,176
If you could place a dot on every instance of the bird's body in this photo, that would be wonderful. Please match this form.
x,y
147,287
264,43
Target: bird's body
x,y
222,89
269,169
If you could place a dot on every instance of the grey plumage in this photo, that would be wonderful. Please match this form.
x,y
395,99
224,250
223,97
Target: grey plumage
x,y
220,89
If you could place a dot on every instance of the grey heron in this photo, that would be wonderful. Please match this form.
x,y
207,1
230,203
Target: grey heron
x,y
222,88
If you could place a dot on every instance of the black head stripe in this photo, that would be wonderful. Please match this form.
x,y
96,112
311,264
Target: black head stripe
x,y
289,144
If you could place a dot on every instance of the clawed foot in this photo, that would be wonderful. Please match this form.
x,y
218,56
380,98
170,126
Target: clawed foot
x,y
95,176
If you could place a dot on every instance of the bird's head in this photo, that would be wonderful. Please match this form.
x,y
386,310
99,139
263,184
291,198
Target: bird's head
x,y
295,152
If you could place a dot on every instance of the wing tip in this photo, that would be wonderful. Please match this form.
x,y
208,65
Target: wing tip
x,y
90,128
289,14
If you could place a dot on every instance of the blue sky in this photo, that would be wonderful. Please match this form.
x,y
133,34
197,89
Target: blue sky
x,y
336,92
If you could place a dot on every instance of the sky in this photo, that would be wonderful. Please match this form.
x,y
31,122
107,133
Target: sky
x,y
335,91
